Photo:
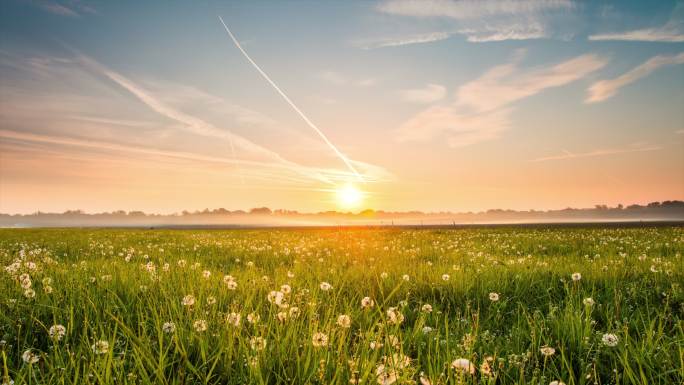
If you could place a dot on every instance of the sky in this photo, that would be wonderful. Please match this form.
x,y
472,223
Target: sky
x,y
432,105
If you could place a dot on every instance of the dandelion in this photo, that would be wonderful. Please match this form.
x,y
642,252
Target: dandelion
x,y
257,343
405,277
281,316
57,332
100,347
211,300
275,297
394,316
427,308
424,380
206,274
232,285
169,327
445,277
30,357
290,274
557,382
181,263
188,300
463,365
47,289
319,340
200,325
493,296
588,301
344,321
294,311
233,319
547,351
610,340
253,318
29,293
486,366
228,278
325,286
26,283
367,302
576,277
285,289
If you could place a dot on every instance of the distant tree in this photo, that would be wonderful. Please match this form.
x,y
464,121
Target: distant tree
x,y
261,211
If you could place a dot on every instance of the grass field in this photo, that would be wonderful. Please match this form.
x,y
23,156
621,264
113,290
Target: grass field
x,y
332,306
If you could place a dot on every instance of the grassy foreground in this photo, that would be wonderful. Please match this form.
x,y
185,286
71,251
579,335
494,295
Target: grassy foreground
x,y
331,306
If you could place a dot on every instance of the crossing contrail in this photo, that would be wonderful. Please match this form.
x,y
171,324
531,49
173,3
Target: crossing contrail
x,y
301,114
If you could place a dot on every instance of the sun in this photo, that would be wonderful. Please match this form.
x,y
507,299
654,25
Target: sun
x,y
349,196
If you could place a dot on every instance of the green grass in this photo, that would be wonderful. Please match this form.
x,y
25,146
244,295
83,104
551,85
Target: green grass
x,y
115,286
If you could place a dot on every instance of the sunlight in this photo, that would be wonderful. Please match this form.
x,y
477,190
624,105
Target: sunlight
x,y
349,196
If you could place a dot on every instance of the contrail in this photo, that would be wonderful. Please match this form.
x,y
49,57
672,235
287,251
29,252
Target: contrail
x,y
309,122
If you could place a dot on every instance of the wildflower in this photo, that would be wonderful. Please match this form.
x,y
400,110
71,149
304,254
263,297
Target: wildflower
x,y
325,286
285,289
181,263
463,365
383,275
188,300
557,382
424,380
588,301
445,277
405,277
281,316
200,325
26,283
233,319
169,327
610,340
427,308
232,285
367,302
211,300
294,311
275,297
29,293
253,318
30,357
57,332
547,351
486,366
47,289
206,273
257,343
576,277
290,274
319,340
427,330
344,321
394,316
100,347
228,278
493,296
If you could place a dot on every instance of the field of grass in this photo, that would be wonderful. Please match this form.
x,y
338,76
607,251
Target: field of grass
x,y
342,306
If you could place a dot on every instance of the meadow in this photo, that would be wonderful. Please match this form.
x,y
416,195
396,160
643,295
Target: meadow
x,y
502,305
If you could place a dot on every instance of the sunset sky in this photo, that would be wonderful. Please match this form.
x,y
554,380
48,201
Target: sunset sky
x,y
436,104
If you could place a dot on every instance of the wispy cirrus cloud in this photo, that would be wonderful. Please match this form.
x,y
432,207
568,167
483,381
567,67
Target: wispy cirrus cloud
x,y
72,8
470,9
428,94
478,21
605,89
566,155
671,32
481,109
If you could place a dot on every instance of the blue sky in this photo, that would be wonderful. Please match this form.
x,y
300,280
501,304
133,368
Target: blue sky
x,y
441,105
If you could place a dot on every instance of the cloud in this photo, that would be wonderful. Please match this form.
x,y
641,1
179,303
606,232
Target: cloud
x,y
470,9
74,8
482,107
406,40
605,89
636,147
336,78
429,94
671,32
478,21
